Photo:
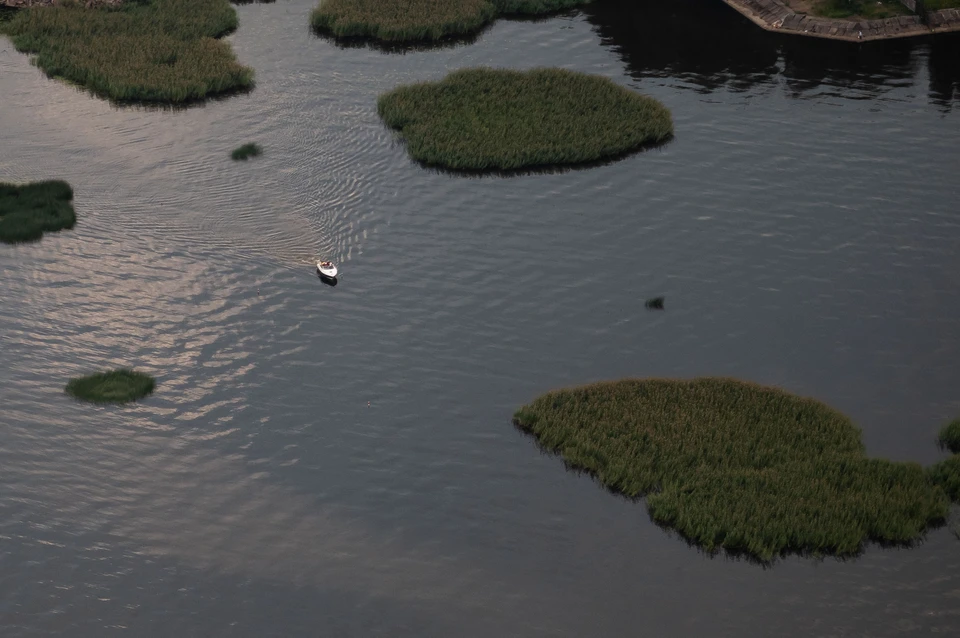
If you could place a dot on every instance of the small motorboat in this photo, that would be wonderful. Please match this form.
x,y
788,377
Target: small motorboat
x,y
327,269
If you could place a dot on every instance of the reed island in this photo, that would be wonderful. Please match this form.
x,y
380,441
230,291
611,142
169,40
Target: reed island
x,y
114,386
421,20
501,120
161,51
741,467
27,211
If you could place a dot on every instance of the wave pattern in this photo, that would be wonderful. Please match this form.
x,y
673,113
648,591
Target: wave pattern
x,y
339,460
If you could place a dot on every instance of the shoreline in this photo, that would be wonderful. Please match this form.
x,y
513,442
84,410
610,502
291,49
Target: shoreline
x,y
773,15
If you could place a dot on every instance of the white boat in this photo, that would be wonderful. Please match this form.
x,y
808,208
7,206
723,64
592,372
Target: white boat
x,y
327,269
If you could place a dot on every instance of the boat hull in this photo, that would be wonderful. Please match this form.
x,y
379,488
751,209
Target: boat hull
x,y
329,272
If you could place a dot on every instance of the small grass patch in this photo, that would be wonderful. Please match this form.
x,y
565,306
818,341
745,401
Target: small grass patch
x,y
656,303
868,9
164,51
246,152
115,386
950,436
496,119
417,20
738,466
27,211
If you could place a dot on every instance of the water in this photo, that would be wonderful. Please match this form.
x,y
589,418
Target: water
x,y
339,461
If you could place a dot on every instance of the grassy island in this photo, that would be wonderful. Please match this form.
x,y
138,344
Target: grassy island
x,y
164,51
115,386
494,119
246,151
737,466
418,20
28,211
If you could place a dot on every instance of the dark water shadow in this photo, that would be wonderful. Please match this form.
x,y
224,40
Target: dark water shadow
x,y
540,169
711,46
330,281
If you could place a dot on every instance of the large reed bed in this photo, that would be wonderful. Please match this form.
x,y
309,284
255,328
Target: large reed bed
x,y
495,119
27,211
417,20
145,50
737,466
114,386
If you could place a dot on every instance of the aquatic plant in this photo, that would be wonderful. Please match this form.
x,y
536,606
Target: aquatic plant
x,y
27,211
737,466
114,386
495,119
413,20
150,50
655,303
950,436
246,151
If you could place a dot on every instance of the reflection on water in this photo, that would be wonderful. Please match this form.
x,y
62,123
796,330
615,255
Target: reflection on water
x,y
340,461
710,45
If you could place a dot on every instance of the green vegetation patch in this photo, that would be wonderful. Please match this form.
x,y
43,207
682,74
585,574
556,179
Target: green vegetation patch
x,y
950,436
738,466
415,20
246,151
144,50
946,474
27,211
115,386
495,119
869,9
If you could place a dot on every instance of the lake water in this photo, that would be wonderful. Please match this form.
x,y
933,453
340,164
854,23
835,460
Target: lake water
x,y
339,461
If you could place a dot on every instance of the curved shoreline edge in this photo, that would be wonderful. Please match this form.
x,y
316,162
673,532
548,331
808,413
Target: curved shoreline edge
x,y
773,15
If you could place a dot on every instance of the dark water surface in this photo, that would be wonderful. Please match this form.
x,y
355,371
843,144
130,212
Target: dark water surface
x,y
803,227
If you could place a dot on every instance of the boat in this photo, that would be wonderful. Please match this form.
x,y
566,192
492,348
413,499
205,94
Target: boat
x,y
327,269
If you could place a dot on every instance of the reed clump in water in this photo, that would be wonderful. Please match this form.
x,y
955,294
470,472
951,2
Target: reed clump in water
x,y
246,151
418,20
737,466
27,211
494,119
146,50
115,386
